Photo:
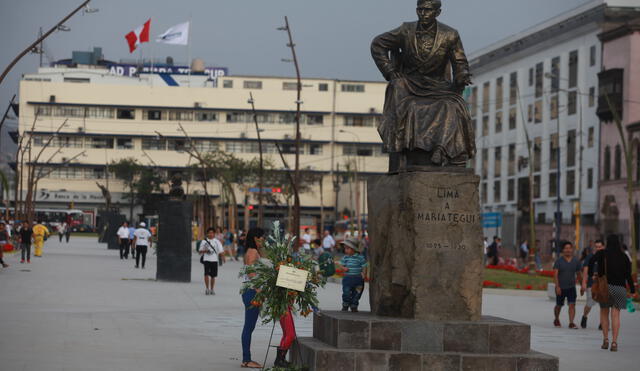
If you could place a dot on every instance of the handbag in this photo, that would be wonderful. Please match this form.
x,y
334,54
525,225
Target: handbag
x,y
202,256
600,287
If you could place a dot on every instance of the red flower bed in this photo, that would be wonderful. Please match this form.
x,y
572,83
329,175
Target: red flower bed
x,y
511,268
486,283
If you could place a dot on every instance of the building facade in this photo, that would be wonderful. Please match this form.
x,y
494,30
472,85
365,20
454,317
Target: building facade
x,y
534,103
108,117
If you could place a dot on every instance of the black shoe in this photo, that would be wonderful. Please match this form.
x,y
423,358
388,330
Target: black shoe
x,y
600,327
354,309
345,308
136,266
281,359
583,322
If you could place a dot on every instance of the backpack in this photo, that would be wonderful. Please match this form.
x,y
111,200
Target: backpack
x,y
327,265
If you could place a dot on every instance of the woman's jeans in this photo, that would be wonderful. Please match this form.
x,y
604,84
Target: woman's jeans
x,y
250,318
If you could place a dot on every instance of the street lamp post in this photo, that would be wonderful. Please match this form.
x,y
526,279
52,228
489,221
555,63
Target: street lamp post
x,y
358,206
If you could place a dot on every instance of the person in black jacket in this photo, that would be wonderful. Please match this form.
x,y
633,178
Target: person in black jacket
x,y
613,263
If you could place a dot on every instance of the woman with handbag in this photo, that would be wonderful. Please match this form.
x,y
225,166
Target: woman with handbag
x,y
614,270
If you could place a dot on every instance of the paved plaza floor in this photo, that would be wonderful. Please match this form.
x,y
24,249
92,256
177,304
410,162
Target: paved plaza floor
x,y
81,308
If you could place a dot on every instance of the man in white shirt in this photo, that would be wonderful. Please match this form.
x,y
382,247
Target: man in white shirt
x,y
328,243
211,251
142,241
123,240
306,241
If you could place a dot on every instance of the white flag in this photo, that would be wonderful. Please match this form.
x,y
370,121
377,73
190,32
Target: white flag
x,y
178,35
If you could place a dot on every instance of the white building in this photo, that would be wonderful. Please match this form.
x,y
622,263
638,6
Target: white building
x,y
542,81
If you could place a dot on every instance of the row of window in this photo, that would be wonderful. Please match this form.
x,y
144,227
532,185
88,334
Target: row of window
x,y
196,115
287,85
553,142
551,185
618,158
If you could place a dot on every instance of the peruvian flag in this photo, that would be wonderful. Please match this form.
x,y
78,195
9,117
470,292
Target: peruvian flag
x,y
138,36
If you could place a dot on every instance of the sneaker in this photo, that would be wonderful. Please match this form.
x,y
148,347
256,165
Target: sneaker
x,y
22,261
583,322
345,308
556,323
212,292
29,261
573,326
136,267
354,309
206,292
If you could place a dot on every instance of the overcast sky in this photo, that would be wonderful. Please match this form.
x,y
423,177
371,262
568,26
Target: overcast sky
x,y
332,36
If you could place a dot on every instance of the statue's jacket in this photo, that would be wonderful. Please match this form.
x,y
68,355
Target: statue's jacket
x,y
423,108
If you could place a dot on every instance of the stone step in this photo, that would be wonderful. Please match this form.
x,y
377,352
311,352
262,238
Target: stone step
x,y
319,356
490,335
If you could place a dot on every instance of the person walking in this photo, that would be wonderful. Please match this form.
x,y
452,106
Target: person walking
x,y
25,237
132,236
587,280
306,241
62,230
253,243
524,252
4,239
328,243
142,241
492,253
353,280
211,251
565,270
613,263
40,234
123,240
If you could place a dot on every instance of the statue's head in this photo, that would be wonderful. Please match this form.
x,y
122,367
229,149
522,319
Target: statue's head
x,y
428,10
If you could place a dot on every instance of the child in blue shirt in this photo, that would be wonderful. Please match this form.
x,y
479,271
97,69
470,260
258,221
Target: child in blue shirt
x,y
353,280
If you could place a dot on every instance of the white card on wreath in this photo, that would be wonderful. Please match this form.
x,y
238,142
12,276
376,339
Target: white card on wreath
x,y
292,278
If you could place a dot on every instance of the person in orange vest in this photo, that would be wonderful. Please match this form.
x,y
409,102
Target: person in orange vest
x,y
40,234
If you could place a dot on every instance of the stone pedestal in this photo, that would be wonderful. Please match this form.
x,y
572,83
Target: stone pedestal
x,y
174,241
109,222
426,245
365,342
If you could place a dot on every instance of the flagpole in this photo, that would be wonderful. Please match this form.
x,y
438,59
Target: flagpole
x,y
189,49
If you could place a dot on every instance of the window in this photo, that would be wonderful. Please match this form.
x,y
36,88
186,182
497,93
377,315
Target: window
x,y
497,171
95,173
206,116
68,111
154,144
485,97
531,76
357,150
536,186
227,84
537,153
555,74
484,193
589,178
573,69
497,192
315,149
513,88
511,166
538,112
234,117
499,122
205,145
485,163
530,113
125,114
542,218
590,137
289,148
176,144
571,148
592,96
539,79
607,163
592,56
571,182
617,163
175,115
39,140
263,118
153,115
553,184
499,93
513,118
353,88
287,118
358,121
100,112
315,119
252,84
572,103
124,143
473,101
234,147
485,126
323,87
553,107
99,142
290,86
43,111
67,142
511,190
77,80
553,151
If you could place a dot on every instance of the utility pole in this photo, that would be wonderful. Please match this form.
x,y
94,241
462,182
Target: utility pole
x,y
261,171
296,207
558,200
40,39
